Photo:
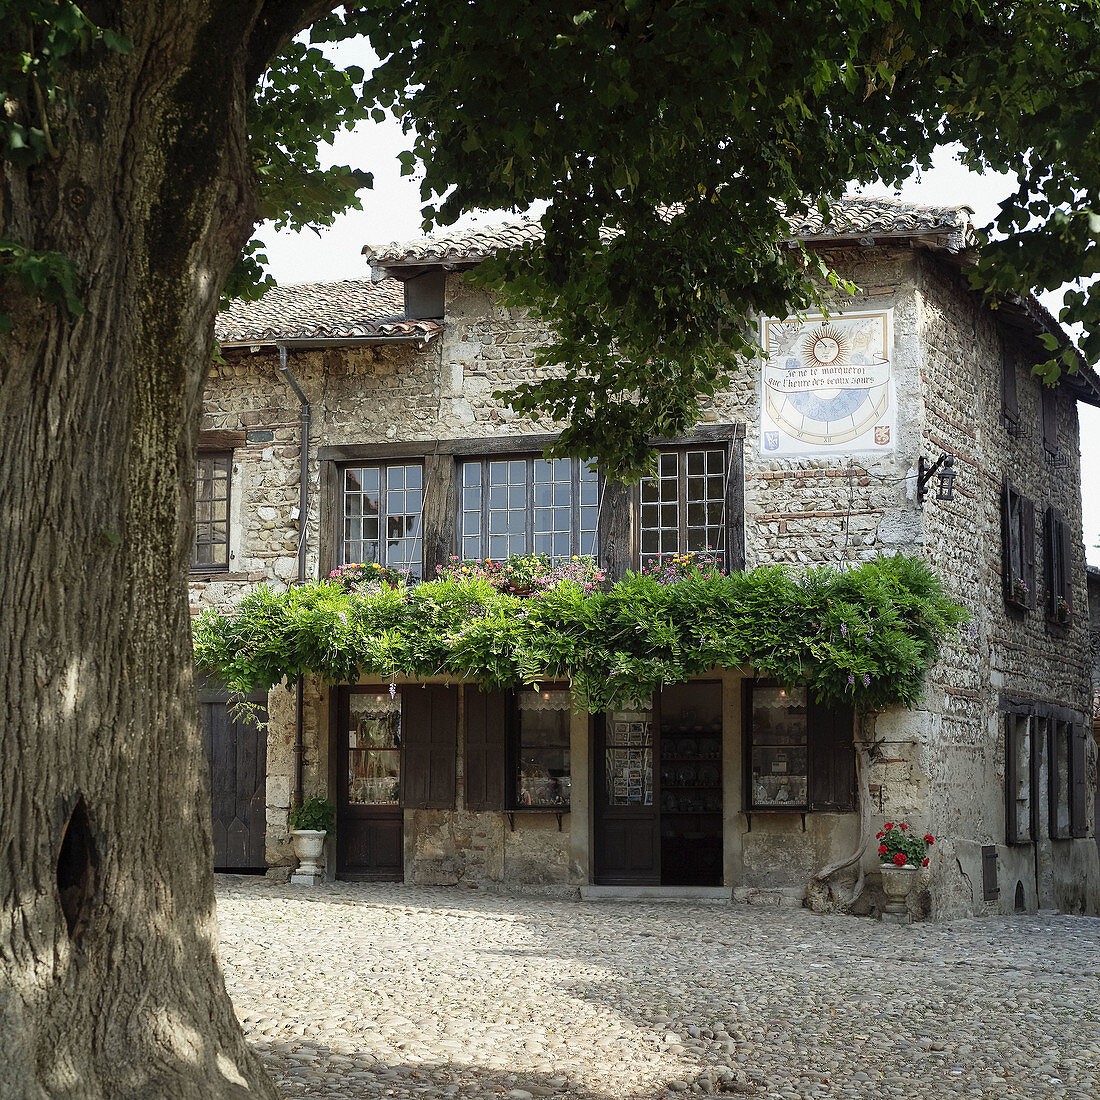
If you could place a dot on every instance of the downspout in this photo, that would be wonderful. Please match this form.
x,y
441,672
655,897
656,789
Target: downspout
x,y
303,511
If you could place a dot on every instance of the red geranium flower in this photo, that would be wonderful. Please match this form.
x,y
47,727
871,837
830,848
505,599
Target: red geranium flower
x,y
903,826
900,859
879,836
889,824
882,849
924,862
929,838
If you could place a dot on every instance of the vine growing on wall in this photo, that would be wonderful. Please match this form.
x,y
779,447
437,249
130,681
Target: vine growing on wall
x,y
866,635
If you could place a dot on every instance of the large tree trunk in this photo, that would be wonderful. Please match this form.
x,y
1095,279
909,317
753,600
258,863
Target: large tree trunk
x,y
109,981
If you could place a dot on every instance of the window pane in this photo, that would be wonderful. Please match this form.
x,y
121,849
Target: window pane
x,y
543,778
210,547
779,754
374,750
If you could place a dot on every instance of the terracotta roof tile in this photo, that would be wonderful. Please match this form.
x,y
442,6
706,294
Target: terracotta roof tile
x,y
851,217
322,311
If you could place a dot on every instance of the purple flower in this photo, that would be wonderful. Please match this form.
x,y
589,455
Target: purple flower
x,y
393,691
844,630
851,680
866,680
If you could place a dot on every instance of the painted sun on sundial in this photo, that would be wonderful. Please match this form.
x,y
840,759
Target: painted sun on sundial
x,y
827,386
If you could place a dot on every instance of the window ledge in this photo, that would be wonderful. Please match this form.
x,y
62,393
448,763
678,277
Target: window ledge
x,y
215,575
558,811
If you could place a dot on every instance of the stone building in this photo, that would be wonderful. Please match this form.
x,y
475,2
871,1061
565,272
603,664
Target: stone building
x,y
726,784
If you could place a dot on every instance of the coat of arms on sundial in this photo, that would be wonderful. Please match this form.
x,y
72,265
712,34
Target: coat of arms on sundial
x,y
827,385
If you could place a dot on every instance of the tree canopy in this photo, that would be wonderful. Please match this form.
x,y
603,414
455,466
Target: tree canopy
x,y
670,140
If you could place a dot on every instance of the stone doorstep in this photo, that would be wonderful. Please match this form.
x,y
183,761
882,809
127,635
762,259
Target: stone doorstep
x,y
592,892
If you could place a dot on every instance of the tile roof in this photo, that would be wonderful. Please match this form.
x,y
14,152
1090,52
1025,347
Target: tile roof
x,y
323,311
852,217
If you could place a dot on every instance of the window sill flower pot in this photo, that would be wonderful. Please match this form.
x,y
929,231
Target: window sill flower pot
x,y
309,848
897,882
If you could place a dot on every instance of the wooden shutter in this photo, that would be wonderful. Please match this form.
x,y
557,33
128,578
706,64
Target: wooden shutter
x,y
1050,562
488,722
1027,537
429,723
1018,794
735,507
832,757
1079,786
1010,537
1049,406
1064,554
1010,402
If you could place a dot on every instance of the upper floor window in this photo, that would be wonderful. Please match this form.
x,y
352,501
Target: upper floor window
x,y
684,506
1010,401
1018,547
1048,403
527,506
213,477
382,510
1058,559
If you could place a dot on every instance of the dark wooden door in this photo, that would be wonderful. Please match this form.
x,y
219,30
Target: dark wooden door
x,y
237,754
628,836
369,816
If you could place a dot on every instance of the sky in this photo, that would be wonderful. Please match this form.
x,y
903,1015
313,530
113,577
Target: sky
x,y
391,212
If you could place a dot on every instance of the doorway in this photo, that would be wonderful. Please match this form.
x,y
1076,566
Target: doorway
x,y
658,790
370,820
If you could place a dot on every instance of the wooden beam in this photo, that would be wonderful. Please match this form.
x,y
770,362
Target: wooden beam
x,y
218,439
440,512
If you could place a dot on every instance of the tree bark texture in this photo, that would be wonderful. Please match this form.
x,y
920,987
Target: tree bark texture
x,y
110,986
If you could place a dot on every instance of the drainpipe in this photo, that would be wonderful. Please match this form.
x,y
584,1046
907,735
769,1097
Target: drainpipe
x,y
303,507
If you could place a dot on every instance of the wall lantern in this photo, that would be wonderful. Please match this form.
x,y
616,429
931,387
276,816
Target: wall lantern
x,y
943,469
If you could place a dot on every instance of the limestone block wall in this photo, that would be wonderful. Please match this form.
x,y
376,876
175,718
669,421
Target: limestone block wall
x,y
958,734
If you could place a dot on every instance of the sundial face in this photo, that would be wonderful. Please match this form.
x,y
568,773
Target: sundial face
x,y
827,384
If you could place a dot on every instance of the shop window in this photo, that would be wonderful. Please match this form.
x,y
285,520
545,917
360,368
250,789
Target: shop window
x,y
541,752
374,750
527,506
1018,548
800,755
1059,569
382,516
213,478
683,508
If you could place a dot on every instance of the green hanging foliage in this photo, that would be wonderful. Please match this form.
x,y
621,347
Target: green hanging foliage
x,y
866,635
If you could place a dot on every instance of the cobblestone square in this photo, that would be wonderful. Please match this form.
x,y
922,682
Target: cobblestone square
x,y
364,990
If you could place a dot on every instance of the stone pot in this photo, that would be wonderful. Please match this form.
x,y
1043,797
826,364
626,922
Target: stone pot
x,y
309,847
896,884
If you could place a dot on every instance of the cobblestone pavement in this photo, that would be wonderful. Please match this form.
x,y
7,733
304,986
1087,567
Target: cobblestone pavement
x,y
389,990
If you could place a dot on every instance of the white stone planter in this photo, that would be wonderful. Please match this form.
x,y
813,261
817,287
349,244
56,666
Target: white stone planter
x,y
897,882
309,847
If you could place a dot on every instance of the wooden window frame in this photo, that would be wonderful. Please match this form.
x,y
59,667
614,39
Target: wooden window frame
x,y
214,456
732,526
339,552
529,458
1010,399
1017,546
511,798
818,716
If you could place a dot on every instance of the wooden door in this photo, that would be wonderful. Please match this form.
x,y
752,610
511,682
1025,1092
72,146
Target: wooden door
x,y
628,841
369,818
237,754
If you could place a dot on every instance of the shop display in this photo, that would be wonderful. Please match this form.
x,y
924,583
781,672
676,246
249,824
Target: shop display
x,y
778,751
629,758
374,750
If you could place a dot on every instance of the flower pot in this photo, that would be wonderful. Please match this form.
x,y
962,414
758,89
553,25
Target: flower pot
x,y
896,885
309,847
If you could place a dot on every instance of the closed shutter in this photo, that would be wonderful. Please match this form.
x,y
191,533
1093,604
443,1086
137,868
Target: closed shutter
x,y
832,757
429,722
1049,404
1079,786
488,721
1018,816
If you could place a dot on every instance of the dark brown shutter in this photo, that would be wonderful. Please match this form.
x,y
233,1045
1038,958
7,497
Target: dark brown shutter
x,y
1009,400
832,757
488,721
1027,536
1049,405
1050,562
1009,538
1078,779
1064,553
735,508
1016,727
429,723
